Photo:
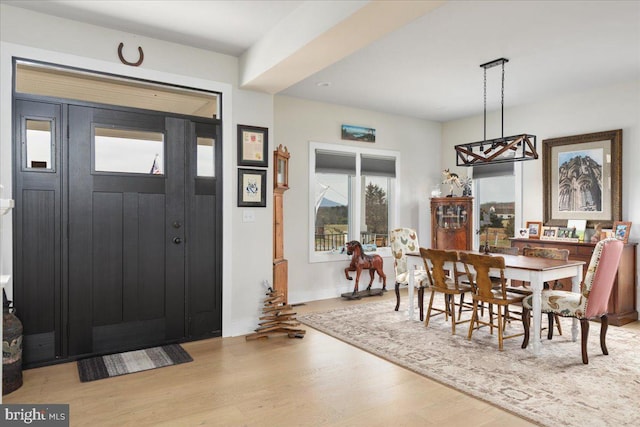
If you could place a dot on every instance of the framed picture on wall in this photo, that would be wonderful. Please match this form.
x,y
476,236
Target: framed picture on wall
x,y
252,189
253,142
594,160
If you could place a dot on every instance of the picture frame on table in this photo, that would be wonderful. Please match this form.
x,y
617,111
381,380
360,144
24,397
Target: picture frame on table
x,y
535,229
596,160
549,233
621,230
252,188
253,142
523,233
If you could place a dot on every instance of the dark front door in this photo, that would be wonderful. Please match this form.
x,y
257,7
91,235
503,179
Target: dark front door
x,y
126,263
117,229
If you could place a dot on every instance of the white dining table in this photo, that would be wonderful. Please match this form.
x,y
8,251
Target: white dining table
x,y
534,270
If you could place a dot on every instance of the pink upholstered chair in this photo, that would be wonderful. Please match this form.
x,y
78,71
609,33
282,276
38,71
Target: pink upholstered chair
x,y
591,302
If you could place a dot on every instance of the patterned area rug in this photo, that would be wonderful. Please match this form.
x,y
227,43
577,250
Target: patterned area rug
x,y
552,389
100,367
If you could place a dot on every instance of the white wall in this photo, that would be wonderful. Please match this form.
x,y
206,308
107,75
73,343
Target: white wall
x,y
614,107
86,46
298,122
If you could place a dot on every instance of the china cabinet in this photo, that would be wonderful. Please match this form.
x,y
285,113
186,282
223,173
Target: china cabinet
x,y
451,223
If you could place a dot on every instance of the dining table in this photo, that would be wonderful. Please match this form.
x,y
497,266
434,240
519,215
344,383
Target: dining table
x,y
534,270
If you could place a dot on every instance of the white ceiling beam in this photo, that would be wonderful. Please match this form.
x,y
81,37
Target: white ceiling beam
x,y
296,49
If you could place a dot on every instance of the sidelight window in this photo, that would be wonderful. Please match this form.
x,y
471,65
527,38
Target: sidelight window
x,y
38,144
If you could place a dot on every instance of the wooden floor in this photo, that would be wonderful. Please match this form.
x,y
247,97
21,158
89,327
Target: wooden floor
x,y
314,381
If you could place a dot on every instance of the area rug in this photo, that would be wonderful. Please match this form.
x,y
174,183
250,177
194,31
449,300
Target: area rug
x,y
100,367
554,388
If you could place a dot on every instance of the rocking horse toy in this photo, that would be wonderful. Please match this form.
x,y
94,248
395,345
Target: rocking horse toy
x,y
361,261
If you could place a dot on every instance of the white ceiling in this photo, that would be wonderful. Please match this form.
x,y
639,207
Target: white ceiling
x,y
424,64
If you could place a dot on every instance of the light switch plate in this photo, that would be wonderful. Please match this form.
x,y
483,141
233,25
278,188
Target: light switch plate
x,y
248,216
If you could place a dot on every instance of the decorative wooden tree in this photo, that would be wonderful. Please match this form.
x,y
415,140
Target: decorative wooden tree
x,y
277,319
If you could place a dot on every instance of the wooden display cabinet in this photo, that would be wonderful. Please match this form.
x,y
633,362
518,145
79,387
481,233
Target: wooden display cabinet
x,y
451,223
622,303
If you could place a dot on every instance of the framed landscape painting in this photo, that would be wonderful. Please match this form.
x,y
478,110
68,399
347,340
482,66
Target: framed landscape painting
x,y
582,178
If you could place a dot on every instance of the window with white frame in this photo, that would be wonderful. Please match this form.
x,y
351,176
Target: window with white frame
x,y
352,197
496,203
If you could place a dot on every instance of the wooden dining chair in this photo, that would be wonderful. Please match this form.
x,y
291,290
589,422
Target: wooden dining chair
x,y
591,302
509,250
485,292
443,283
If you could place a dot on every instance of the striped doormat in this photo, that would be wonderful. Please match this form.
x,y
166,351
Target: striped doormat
x,y
97,368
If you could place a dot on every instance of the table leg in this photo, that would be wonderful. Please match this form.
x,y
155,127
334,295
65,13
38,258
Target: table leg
x,y
411,285
536,289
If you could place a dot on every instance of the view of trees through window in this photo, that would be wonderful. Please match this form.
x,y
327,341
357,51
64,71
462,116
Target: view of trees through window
x,y
376,211
333,212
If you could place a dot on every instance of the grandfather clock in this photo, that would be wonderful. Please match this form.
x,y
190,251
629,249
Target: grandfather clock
x,y
280,185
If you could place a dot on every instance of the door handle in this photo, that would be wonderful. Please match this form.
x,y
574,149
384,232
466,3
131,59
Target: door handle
x,y
177,240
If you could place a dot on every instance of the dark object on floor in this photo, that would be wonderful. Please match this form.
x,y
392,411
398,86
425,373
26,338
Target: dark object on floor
x,y
363,294
11,348
97,368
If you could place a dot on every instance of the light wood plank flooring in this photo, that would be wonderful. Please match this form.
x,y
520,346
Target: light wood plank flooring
x,y
315,381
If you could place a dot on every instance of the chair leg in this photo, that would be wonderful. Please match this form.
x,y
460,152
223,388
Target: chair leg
x,y
397,296
550,316
604,325
584,327
500,329
525,324
426,321
452,304
557,324
421,302
474,316
460,308
490,318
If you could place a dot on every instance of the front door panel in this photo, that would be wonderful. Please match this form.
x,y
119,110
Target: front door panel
x,y
126,259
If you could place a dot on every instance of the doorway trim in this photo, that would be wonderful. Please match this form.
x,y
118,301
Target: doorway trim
x,y
8,51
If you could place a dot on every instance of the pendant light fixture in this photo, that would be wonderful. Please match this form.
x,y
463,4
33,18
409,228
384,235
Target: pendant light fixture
x,y
498,150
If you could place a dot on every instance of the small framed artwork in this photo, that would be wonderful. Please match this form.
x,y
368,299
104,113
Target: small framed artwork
x,y
565,233
549,233
253,142
535,228
523,233
621,230
358,133
252,190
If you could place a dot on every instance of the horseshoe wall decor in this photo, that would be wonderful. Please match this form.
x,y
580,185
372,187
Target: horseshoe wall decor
x,y
124,61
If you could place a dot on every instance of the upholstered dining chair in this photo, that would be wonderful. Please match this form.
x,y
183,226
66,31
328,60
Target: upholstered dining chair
x,y
484,291
441,282
549,253
402,241
590,303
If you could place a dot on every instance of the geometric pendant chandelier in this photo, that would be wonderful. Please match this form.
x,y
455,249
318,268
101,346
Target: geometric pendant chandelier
x,y
498,150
